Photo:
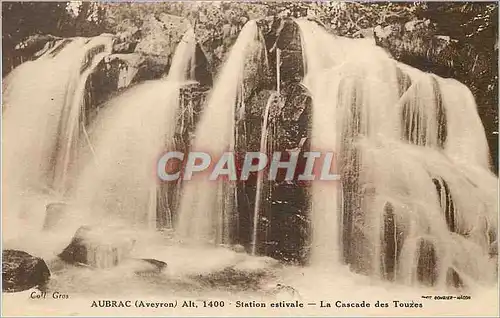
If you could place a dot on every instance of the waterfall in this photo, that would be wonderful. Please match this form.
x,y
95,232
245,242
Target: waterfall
x,y
72,122
416,202
260,174
118,182
336,76
396,132
442,113
42,105
448,228
204,211
467,142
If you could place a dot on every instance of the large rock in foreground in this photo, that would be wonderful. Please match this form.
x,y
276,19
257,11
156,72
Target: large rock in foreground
x,y
98,248
22,271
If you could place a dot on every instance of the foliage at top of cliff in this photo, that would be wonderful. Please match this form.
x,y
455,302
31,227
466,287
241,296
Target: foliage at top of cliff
x,y
471,22
218,23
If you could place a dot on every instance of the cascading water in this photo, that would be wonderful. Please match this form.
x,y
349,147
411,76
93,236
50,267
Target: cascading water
x,y
335,71
447,232
118,182
441,113
467,142
260,175
41,128
416,202
379,116
205,209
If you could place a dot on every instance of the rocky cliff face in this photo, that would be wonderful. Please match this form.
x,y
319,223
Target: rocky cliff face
x,y
144,52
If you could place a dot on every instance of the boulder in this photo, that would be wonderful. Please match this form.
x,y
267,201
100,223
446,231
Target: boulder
x,y
76,251
22,271
127,37
97,248
125,67
155,43
160,35
151,67
149,266
160,265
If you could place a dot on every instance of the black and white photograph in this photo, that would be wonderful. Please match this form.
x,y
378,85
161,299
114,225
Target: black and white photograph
x,y
249,158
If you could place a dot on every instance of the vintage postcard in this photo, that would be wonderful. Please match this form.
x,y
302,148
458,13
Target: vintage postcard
x,y
249,158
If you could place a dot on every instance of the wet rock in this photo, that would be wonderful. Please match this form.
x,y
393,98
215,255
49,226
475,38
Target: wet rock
x,y
416,43
453,279
127,38
160,265
250,114
367,33
215,39
125,47
288,41
76,251
202,68
149,266
426,267
255,70
152,67
29,49
35,45
160,35
125,66
249,273
22,271
297,100
155,42
98,248
117,72
254,108
392,242
193,98
232,278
